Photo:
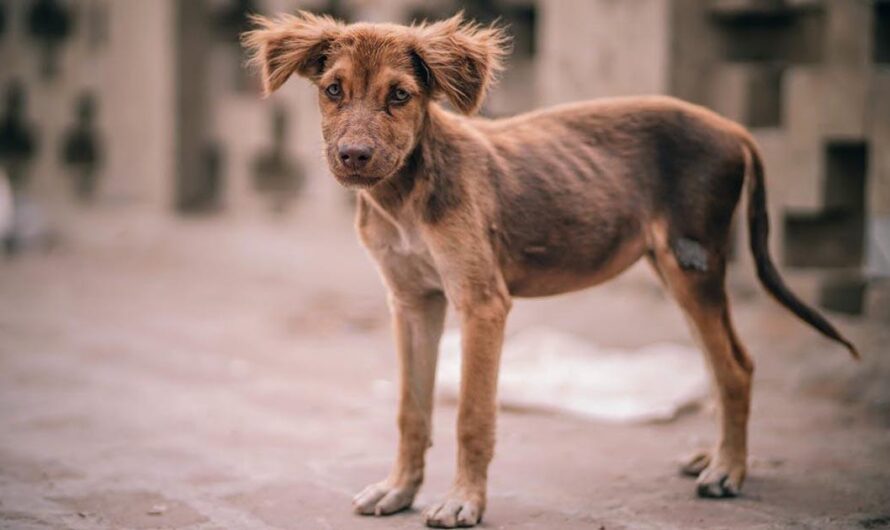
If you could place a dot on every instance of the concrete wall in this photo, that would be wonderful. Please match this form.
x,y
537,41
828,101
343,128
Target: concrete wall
x,y
596,48
802,75
127,63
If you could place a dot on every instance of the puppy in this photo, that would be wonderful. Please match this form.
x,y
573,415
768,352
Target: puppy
x,y
473,212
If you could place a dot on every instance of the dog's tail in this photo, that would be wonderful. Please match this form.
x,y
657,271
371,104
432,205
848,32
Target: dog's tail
x,y
758,232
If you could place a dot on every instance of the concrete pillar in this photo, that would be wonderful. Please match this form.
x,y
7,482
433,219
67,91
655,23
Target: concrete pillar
x,y
137,72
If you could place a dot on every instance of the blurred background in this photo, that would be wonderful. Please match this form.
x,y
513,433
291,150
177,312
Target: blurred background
x,y
191,336
146,106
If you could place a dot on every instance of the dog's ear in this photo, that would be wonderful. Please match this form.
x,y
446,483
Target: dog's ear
x,y
462,59
290,44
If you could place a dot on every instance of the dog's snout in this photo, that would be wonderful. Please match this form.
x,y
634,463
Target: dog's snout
x,y
355,156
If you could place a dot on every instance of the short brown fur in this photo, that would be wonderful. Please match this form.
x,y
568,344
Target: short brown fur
x,y
472,212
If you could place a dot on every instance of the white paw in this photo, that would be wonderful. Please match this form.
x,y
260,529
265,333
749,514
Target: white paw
x,y
455,511
382,498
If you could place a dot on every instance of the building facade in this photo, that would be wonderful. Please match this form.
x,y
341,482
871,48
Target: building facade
x,y
145,105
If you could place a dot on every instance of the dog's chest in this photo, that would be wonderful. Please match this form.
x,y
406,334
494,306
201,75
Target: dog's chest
x,y
398,248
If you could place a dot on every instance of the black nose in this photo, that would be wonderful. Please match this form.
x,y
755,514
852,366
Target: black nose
x,y
355,156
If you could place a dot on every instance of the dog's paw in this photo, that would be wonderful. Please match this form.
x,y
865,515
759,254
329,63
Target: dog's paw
x,y
383,498
695,464
720,479
456,511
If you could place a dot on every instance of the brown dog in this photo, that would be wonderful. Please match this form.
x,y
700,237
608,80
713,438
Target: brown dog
x,y
473,211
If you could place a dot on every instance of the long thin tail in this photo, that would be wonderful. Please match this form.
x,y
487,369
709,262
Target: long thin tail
x,y
758,232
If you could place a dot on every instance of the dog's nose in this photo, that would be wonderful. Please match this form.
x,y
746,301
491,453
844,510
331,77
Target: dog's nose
x,y
355,156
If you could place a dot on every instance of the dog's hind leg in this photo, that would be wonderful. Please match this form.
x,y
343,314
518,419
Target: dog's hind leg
x,y
694,275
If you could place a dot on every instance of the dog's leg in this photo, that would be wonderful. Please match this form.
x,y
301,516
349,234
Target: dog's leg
x,y
701,294
482,329
418,327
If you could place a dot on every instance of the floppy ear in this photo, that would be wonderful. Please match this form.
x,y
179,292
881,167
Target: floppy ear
x,y
290,43
463,59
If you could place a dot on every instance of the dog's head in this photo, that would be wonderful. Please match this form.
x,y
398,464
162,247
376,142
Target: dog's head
x,y
376,81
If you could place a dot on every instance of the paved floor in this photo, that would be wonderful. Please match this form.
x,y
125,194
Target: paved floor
x,y
204,375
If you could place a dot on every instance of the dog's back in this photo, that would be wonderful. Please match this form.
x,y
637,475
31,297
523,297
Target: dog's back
x,y
579,186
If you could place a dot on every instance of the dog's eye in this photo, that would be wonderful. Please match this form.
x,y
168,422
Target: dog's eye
x,y
333,90
399,95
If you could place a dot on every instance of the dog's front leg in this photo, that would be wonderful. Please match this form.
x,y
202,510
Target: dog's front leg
x,y
482,331
417,323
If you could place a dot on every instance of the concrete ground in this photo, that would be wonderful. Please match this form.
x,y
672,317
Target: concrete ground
x,y
218,375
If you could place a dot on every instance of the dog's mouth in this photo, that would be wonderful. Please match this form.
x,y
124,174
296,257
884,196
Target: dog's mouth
x,y
380,169
361,179
357,180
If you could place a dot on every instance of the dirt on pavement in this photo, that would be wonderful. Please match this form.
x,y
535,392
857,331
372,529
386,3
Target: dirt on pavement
x,y
215,374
